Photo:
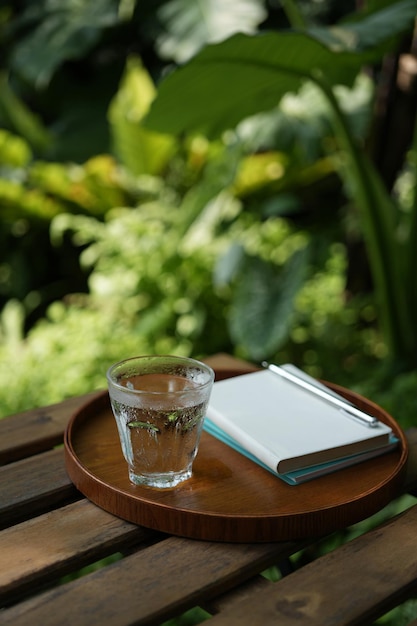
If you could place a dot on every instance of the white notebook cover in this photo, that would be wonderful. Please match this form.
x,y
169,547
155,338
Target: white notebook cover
x,y
285,427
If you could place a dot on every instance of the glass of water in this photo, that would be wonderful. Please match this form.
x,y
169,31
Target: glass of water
x,y
159,404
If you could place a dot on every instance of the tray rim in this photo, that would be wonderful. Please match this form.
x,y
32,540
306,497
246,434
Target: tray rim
x,y
259,527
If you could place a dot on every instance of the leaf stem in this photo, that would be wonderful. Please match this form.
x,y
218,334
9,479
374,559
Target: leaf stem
x,y
379,232
411,259
294,15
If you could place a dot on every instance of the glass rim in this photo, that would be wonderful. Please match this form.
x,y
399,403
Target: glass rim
x,y
175,358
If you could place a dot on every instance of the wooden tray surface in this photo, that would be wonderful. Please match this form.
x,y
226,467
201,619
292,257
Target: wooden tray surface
x,y
228,497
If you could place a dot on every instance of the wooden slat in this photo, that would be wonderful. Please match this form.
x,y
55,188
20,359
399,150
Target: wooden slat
x,y
175,574
355,584
60,542
235,595
34,431
226,600
150,586
34,485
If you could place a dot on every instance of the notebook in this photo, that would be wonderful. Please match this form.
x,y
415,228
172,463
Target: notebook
x,y
288,430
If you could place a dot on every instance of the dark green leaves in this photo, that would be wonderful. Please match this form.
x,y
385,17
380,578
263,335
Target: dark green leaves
x,y
60,30
263,303
367,34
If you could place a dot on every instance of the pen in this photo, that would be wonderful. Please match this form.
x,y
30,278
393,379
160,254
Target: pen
x,y
352,411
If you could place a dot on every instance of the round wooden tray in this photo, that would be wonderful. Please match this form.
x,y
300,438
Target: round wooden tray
x,y
228,497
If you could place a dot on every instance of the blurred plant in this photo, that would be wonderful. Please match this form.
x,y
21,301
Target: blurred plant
x,y
157,276
191,245
151,289
62,61
265,69
192,242
32,193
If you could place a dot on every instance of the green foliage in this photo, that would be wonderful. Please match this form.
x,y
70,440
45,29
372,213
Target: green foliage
x,y
14,151
192,245
150,291
226,220
32,193
262,310
42,190
151,287
21,119
265,68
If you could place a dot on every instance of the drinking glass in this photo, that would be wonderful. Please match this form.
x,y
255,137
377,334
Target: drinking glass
x,y
159,404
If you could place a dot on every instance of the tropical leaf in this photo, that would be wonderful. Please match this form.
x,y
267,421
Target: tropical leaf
x,y
228,265
189,25
59,30
379,26
252,73
263,305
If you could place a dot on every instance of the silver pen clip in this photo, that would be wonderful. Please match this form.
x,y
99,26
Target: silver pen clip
x,y
347,407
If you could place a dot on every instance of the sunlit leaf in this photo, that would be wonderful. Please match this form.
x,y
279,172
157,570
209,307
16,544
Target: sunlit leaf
x,y
189,25
14,152
17,115
141,150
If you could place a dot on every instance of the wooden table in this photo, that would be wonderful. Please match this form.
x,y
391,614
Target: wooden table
x,y
50,531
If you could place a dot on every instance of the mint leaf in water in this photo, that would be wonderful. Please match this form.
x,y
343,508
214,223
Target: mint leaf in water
x,y
145,425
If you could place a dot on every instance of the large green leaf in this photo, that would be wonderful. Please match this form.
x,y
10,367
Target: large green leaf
x,y
263,305
240,77
189,25
245,74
